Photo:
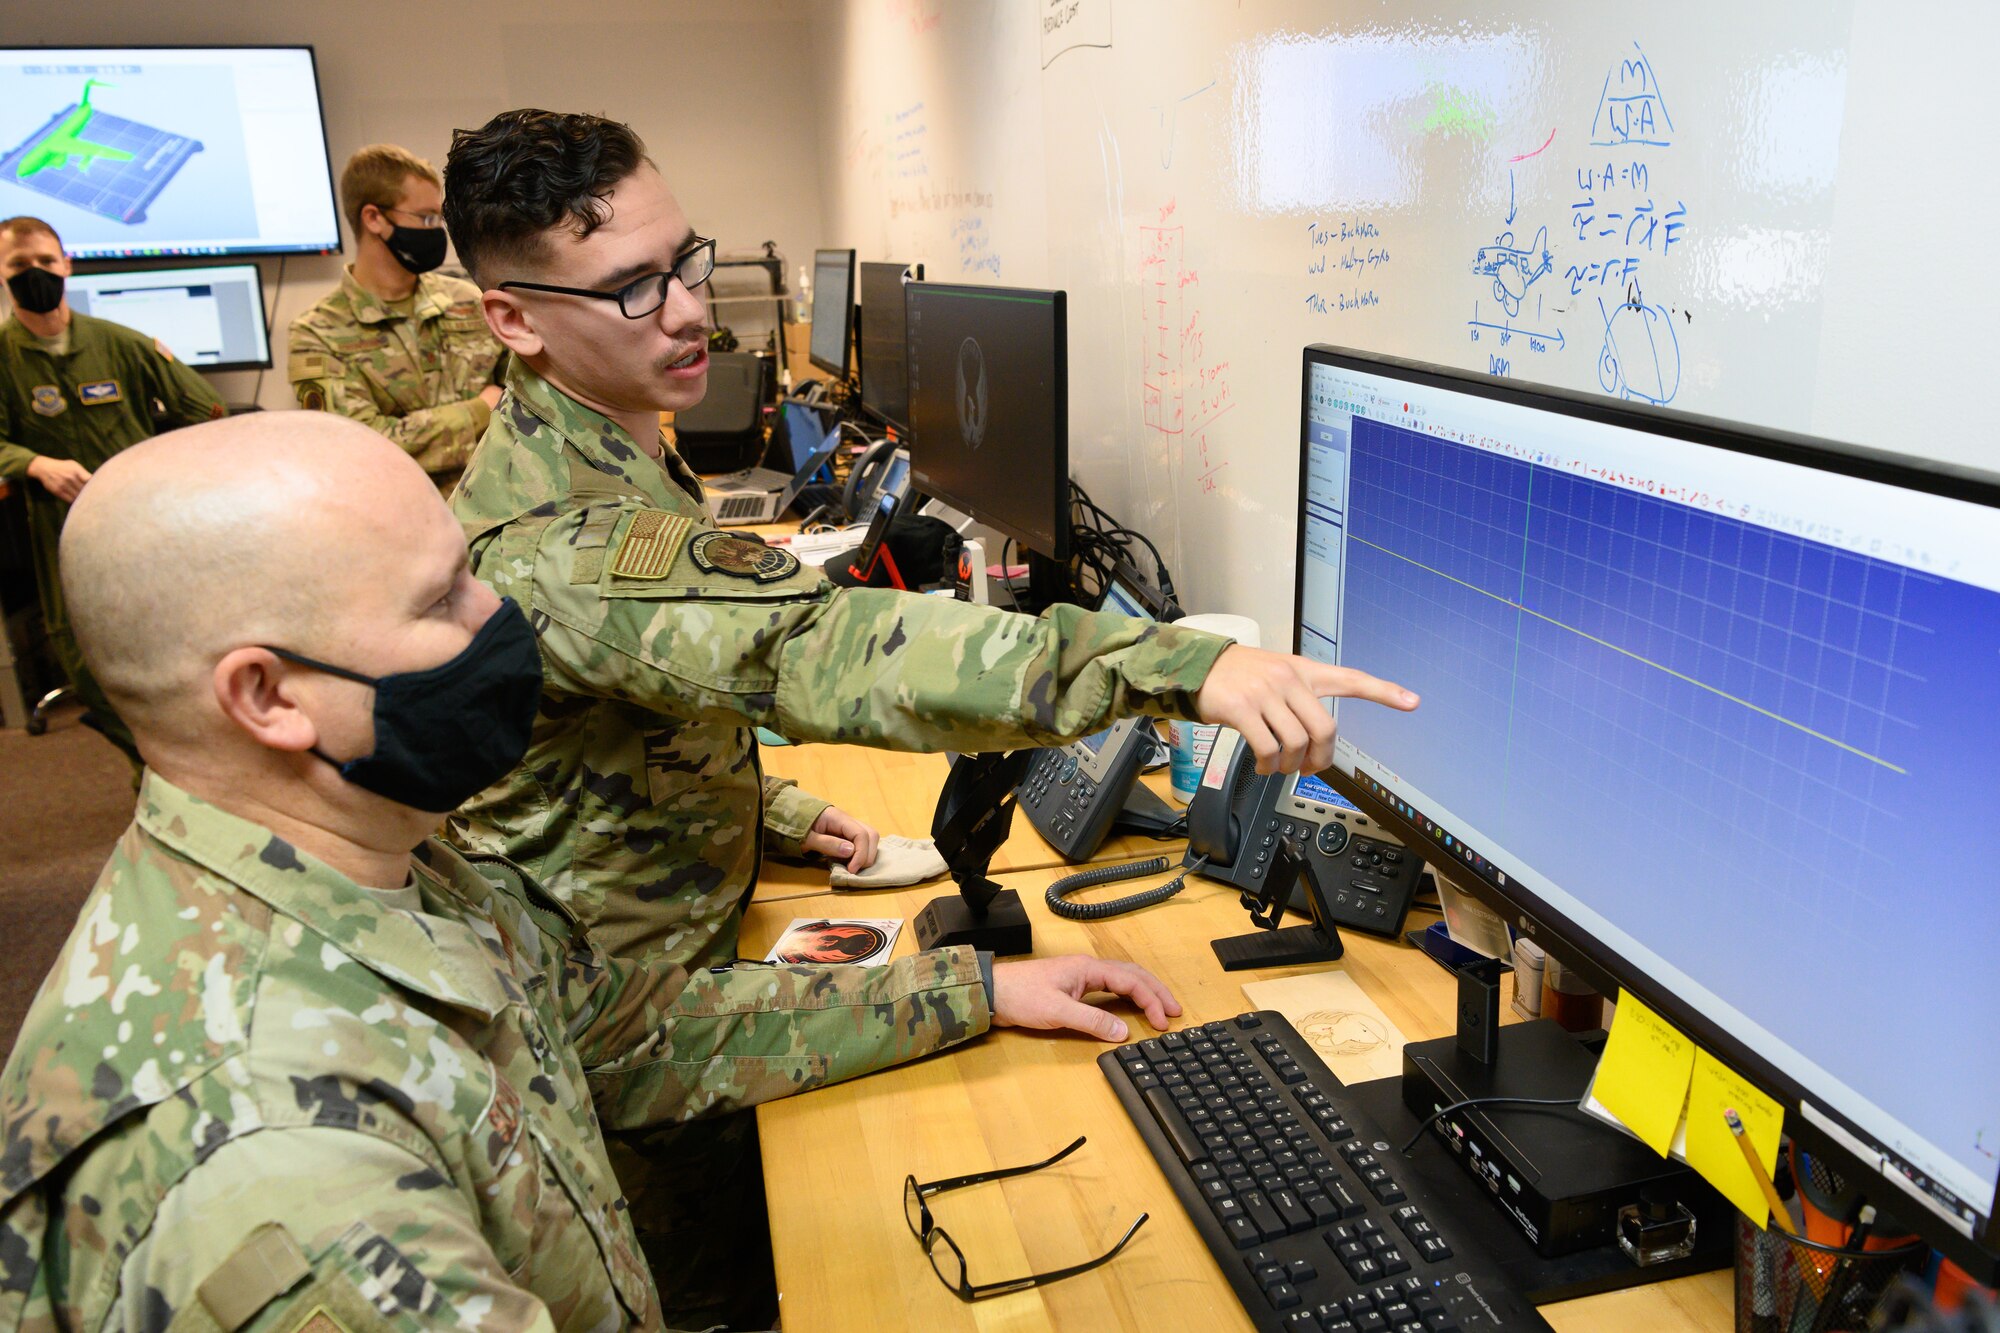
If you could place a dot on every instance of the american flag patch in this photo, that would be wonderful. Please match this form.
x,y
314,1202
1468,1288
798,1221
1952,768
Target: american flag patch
x,y
650,544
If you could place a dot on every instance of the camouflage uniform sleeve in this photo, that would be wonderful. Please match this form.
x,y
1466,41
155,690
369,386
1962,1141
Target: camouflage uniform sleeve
x,y
324,382
338,1221
188,398
865,666
660,1045
737,1037
789,813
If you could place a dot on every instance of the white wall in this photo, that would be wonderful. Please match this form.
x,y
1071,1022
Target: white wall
x,y
722,92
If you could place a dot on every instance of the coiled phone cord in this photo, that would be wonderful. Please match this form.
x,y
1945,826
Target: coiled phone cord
x,y
1063,907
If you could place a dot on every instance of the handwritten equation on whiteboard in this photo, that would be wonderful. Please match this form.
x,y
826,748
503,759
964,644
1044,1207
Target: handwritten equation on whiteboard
x,y
1623,223
1184,389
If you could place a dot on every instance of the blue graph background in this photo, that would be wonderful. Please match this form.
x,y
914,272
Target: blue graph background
x,y
1771,761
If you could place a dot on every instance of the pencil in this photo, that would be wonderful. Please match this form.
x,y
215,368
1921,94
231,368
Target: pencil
x,y
1779,1213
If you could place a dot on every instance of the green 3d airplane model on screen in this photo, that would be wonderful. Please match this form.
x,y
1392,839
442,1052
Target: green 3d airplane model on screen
x,y
65,143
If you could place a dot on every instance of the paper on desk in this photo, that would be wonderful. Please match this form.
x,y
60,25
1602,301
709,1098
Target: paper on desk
x,y
842,940
1349,1030
1711,1148
1642,1077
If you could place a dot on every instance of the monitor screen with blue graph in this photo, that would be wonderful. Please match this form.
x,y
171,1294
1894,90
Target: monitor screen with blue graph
x,y
1720,708
136,152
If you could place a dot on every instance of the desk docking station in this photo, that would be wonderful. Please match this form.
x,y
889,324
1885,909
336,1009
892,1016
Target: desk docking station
x,y
1559,1174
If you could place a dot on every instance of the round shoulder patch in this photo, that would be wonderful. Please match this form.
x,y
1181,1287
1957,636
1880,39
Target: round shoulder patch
x,y
737,557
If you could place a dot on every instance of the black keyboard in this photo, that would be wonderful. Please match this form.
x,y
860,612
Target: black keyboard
x,y
1301,1198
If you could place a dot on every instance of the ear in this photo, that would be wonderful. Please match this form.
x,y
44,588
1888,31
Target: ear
x,y
510,323
64,267
370,217
257,693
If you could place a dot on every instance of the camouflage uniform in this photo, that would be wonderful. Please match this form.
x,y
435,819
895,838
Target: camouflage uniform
x,y
252,1090
414,378
87,404
641,797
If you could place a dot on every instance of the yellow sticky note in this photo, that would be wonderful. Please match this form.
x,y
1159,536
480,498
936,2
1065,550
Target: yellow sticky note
x,y
1642,1078
1711,1148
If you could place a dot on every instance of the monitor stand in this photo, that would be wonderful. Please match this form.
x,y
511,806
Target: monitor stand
x,y
1575,1172
1048,584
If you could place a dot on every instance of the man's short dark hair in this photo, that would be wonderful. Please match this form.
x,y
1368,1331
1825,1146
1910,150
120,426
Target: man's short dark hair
x,y
524,173
27,226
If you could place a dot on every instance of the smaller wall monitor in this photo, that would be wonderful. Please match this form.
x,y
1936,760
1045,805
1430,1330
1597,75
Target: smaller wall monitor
x,y
210,318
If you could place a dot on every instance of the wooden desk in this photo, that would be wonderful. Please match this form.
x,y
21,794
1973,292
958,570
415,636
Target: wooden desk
x,y
834,1159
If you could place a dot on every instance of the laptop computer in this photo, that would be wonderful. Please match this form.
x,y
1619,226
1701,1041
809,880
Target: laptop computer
x,y
761,494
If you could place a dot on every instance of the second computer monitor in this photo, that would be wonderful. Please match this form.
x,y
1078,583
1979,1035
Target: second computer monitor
x,y
211,317
885,371
832,309
989,407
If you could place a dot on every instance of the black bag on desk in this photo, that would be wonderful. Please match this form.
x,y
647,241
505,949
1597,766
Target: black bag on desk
x,y
923,552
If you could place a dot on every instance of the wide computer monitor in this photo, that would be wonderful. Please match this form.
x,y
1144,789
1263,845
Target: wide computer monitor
x,y
989,407
136,152
209,317
1712,712
885,370
832,310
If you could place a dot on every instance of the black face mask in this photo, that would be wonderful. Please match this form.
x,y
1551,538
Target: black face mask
x,y
446,733
418,249
36,290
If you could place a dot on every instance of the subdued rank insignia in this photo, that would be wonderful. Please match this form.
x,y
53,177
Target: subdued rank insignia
x,y
320,1320
650,544
741,558
99,391
47,399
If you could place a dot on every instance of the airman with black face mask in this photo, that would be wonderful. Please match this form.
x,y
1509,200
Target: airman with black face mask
x,y
397,346
74,390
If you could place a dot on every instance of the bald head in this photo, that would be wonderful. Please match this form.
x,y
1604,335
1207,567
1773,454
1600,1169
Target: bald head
x,y
275,528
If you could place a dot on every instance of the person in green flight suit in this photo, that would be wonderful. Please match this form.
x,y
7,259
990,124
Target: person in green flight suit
x,y
665,639
74,390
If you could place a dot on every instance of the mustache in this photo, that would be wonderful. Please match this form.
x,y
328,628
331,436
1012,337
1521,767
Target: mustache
x,y
700,343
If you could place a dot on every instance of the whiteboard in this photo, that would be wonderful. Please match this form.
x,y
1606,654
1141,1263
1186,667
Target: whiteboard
x,y
1774,212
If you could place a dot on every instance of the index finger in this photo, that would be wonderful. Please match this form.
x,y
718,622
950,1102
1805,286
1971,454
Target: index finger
x,y
1347,683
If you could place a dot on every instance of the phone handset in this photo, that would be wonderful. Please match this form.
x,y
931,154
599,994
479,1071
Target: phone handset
x,y
864,478
1224,802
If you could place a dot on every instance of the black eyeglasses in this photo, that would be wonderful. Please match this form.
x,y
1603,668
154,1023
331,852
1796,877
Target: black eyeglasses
x,y
647,292
948,1261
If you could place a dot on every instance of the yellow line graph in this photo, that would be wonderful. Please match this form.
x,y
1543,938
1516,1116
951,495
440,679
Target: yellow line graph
x,y
1644,661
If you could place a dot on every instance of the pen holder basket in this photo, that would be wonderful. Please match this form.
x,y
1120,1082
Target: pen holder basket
x,y
1788,1284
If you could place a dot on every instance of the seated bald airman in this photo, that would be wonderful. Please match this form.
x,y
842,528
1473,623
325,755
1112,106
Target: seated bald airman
x,y
289,1067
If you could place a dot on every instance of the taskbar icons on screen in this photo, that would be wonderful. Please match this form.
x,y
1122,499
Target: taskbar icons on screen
x,y
1450,842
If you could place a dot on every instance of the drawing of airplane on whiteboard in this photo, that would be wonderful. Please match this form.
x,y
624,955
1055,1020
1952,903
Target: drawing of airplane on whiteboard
x,y
65,143
1513,270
